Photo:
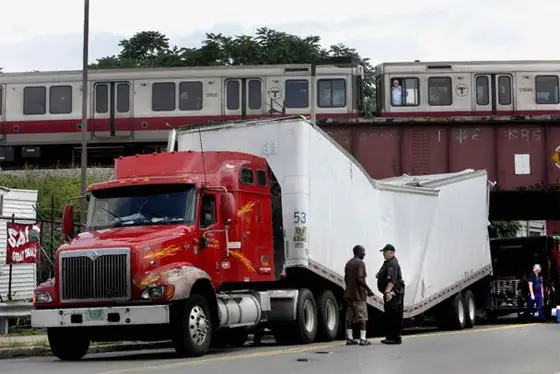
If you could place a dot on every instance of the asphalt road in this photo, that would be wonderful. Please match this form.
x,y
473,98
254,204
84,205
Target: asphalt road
x,y
511,349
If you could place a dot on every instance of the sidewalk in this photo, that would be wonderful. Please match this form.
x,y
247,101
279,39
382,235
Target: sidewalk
x,y
11,341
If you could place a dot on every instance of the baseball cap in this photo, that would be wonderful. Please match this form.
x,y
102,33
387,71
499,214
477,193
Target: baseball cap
x,y
388,247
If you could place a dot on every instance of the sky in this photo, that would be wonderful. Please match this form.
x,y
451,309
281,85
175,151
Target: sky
x,y
47,35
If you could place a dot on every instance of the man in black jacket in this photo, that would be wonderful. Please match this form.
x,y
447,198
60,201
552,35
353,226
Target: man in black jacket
x,y
391,285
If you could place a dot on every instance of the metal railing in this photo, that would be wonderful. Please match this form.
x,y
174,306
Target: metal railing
x,y
13,310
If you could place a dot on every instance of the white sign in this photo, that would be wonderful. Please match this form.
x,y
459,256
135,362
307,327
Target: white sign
x,y
522,164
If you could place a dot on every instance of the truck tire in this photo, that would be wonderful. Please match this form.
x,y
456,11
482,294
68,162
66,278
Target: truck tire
x,y
452,315
304,329
470,309
68,344
458,316
192,327
328,316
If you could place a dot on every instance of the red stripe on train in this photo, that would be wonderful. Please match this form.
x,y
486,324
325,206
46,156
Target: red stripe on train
x,y
159,123
129,124
473,113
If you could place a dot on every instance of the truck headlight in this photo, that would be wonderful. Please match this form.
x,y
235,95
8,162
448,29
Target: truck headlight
x,y
158,292
42,298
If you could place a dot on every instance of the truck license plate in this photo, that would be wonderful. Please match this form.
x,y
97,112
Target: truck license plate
x,y
95,314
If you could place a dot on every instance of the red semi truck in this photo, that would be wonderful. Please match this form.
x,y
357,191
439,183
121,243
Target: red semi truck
x,y
201,247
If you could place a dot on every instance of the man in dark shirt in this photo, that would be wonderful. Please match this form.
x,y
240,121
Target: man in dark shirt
x,y
391,285
355,295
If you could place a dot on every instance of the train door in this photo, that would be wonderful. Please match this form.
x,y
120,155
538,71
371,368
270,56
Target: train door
x,y
112,101
493,93
244,97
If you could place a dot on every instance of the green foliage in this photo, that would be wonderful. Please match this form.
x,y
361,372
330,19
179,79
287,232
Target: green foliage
x,y
53,190
266,46
504,229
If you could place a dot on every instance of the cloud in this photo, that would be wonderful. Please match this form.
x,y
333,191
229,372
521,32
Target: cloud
x,y
437,30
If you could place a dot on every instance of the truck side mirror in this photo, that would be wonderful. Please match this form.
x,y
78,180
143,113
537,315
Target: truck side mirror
x,y
68,220
229,210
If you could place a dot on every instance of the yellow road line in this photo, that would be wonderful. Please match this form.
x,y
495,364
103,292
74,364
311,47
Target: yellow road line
x,y
306,348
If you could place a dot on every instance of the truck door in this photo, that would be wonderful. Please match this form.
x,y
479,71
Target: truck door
x,y
243,97
493,93
212,253
112,101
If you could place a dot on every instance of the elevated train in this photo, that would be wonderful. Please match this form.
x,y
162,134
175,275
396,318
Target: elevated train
x,y
130,110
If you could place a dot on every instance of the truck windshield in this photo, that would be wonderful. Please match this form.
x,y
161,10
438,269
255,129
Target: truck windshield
x,y
141,205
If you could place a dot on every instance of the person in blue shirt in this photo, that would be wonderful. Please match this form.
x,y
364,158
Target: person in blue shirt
x,y
536,291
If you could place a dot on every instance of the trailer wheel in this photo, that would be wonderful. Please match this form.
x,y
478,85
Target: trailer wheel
x,y
328,316
452,315
192,327
459,316
470,309
68,344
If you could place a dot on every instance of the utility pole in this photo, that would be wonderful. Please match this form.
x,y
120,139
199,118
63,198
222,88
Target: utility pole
x,y
84,112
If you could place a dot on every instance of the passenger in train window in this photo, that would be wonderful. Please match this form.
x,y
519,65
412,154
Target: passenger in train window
x,y
396,93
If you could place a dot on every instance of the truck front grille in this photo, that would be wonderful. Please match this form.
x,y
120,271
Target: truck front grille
x,y
95,275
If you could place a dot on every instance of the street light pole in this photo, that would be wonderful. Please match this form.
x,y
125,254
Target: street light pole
x,y
84,112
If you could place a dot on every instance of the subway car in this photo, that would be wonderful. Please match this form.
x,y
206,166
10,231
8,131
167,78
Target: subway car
x,y
130,110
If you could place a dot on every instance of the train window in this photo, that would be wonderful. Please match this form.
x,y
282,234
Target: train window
x,y
504,90
232,95
297,93
255,94
60,99
482,90
246,176
190,96
34,100
101,98
163,97
405,92
546,87
123,97
332,93
261,178
439,91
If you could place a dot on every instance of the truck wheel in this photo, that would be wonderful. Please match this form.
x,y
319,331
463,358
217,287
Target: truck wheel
x,y
304,329
306,321
192,327
328,317
470,309
67,344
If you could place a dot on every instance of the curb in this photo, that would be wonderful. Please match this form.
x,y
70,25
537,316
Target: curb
x,y
34,351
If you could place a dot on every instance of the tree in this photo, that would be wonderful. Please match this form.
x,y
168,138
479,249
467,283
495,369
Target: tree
x,y
504,229
152,49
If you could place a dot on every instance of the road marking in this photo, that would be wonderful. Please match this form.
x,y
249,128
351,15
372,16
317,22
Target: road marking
x,y
306,348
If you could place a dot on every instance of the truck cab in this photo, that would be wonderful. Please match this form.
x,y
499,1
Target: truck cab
x,y
167,227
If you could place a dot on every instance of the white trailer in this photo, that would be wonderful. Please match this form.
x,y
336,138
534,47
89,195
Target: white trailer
x,y
438,223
